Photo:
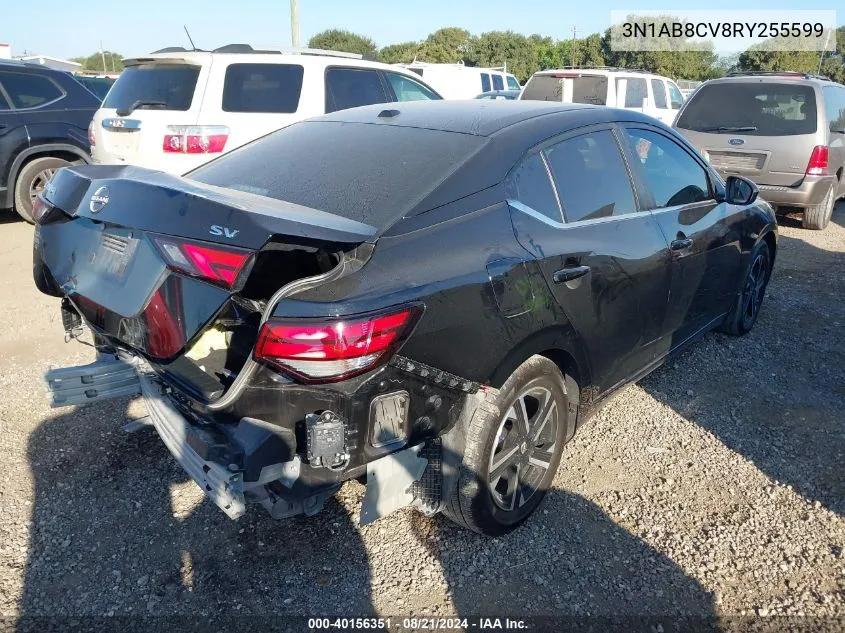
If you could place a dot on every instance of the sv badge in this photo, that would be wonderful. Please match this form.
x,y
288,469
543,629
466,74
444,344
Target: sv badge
x,y
225,231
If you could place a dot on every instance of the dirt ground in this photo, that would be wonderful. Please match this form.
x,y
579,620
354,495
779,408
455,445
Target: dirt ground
x,y
714,488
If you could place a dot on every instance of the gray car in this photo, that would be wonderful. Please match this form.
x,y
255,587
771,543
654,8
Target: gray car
x,y
784,131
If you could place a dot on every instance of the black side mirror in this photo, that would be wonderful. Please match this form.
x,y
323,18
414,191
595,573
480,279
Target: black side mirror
x,y
739,190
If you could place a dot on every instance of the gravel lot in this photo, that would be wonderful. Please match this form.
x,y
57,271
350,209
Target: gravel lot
x,y
714,487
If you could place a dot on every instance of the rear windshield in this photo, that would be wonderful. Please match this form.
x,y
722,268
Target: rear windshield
x,y
754,108
317,164
159,86
584,89
262,88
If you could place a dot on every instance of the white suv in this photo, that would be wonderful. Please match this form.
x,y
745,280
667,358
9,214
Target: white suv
x,y
176,109
638,90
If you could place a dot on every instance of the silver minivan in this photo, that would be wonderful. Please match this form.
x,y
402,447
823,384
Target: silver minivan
x,y
785,131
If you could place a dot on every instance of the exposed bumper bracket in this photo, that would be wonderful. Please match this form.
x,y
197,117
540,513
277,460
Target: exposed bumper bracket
x,y
101,380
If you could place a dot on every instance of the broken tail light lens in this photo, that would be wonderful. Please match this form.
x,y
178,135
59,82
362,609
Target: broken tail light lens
x,y
215,264
818,161
40,209
195,139
327,351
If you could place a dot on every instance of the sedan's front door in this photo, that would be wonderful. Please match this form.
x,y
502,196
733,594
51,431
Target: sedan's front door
x,y
606,263
703,234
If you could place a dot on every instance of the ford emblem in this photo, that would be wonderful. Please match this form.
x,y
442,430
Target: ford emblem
x,y
99,200
736,141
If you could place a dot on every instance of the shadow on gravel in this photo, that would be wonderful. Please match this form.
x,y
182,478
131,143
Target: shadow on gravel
x,y
777,395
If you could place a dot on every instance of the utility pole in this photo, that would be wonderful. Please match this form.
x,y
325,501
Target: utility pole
x,y
574,33
103,57
294,23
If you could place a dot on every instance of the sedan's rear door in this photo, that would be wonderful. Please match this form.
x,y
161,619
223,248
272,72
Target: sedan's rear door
x,y
606,262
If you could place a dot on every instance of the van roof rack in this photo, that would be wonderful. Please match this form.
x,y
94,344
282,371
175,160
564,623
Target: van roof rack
x,y
246,49
619,68
776,73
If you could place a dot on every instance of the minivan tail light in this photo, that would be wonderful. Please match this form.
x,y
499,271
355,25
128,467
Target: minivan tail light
x,y
818,161
195,139
218,265
335,349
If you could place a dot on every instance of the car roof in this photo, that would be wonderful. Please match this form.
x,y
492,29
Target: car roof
x,y
472,116
772,77
603,70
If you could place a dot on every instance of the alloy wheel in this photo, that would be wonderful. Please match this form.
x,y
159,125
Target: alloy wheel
x,y
755,288
39,182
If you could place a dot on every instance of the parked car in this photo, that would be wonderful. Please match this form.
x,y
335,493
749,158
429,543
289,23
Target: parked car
x,y
499,94
176,109
635,90
44,115
98,85
442,322
457,81
785,131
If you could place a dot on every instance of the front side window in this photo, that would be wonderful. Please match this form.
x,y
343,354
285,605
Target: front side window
x,y
498,82
591,178
485,82
513,84
350,88
407,89
671,174
29,90
262,88
659,91
634,89
675,96
529,184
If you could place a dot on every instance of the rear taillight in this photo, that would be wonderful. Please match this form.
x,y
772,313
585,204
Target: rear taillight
x,y
818,161
216,264
195,139
328,351
40,209
91,140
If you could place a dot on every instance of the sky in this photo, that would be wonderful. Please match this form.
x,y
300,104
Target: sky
x,y
70,29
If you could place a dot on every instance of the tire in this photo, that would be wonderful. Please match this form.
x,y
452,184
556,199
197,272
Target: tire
x,y
495,438
31,179
746,308
818,217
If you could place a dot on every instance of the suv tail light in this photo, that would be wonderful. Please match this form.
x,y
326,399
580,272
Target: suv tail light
x,y
331,350
91,140
218,265
195,139
818,161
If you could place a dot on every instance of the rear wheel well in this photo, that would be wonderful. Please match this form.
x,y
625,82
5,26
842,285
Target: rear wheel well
x,y
49,153
565,362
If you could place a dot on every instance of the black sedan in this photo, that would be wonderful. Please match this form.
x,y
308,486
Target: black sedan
x,y
430,297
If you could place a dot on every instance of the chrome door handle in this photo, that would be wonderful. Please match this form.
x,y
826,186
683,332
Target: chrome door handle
x,y
679,245
568,274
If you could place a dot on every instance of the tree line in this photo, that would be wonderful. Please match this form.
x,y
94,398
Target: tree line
x,y
525,55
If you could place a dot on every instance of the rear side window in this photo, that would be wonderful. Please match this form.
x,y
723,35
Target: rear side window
x,y
675,96
498,82
529,184
485,82
406,89
262,88
756,109
591,177
634,89
4,104
834,103
513,84
672,175
29,90
350,88
590,89
159,86
659,91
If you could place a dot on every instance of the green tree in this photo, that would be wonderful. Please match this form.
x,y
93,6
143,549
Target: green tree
x,y
448,45
504,48
395,53
345,41
94,62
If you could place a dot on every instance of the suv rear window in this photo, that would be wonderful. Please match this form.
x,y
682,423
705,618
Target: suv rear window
x,y
591,89
302,164
163,86
755,109
262,88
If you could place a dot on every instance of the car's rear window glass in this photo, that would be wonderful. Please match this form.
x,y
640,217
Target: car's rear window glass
x,y
303,164
262,88
756,109
530,184
590,89
159,86
29,90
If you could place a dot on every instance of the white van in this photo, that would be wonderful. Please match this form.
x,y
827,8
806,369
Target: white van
x,y
457,81
175,109
637,90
